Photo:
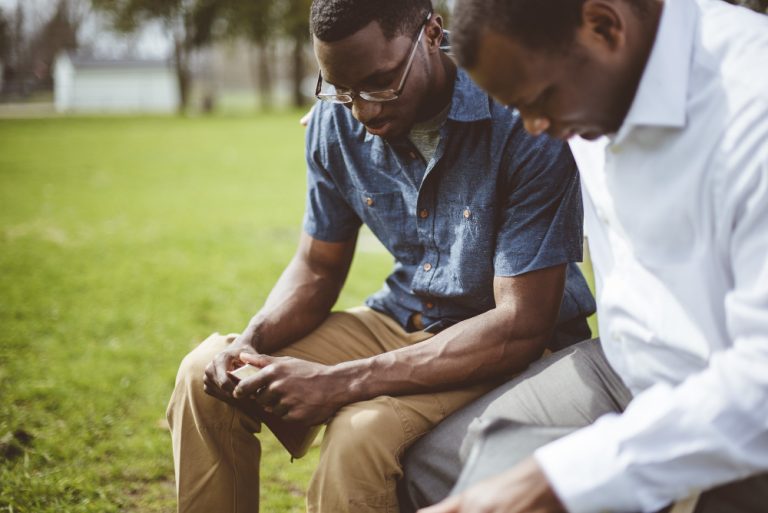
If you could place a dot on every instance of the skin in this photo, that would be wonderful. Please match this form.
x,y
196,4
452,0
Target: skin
x,y
368,61
523,489
503,340
587,91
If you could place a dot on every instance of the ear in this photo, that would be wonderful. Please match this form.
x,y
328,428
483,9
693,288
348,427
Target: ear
x,y
604,24
433,32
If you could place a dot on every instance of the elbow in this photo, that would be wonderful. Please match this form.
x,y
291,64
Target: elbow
x,y
524,344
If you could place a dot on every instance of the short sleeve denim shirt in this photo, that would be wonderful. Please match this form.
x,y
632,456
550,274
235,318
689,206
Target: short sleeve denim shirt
x,y
493,201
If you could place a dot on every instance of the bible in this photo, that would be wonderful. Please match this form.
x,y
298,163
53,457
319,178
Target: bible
x,y
296,437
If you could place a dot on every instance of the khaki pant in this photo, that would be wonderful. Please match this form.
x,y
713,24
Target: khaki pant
x,y
216,455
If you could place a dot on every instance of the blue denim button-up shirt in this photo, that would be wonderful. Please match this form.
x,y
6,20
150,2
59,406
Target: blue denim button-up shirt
x,y
493,201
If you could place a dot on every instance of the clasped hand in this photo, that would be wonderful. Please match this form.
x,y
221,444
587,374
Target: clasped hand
x,y
294,389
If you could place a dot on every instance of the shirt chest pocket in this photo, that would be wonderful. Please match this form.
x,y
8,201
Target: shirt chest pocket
x,y
467,226
385,214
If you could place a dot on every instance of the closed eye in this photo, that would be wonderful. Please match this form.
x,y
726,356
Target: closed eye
x,y
380,82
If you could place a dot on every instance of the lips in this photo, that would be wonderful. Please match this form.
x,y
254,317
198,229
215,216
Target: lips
x,y
376,123
377,127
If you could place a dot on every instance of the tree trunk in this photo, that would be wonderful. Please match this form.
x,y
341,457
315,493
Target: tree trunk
x,y
298,71
261,74
183,74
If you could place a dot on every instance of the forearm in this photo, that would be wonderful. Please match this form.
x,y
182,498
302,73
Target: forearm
x,y
299,302
485,347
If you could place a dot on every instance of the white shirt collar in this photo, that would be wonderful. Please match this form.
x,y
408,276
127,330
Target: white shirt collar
x,y
661,96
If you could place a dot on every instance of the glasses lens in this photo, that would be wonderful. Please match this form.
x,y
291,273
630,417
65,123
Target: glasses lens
x,y
329,93
335,98
379,96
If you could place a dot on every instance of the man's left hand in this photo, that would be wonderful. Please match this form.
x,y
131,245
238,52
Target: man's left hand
x,y
294,389
524,489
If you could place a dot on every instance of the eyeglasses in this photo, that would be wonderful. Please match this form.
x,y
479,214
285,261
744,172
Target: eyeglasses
x,y
371,96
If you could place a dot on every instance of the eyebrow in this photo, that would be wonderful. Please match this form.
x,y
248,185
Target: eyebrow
x,y
381,73
378,73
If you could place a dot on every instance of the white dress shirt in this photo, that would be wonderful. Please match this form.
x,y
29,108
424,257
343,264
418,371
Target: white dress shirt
x,y
676,211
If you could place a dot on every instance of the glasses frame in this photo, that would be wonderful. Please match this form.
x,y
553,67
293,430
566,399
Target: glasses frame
x,y
386,95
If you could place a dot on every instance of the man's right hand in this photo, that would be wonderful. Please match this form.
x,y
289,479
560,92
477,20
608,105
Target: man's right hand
x,y
218,383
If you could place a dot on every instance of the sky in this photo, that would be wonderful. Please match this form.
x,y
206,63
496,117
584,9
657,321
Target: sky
x,y
150,43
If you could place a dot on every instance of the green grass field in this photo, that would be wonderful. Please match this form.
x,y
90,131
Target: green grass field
x,y
124,242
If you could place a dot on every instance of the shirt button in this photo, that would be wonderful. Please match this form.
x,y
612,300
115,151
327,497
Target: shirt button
x,y
424,213
467,214
412,155
427,266
429,305
369,201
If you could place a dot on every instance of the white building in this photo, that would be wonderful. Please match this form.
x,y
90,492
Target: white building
x,y
117,86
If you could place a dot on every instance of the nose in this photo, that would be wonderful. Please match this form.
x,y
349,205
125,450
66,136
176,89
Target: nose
x,y
365,111
534,124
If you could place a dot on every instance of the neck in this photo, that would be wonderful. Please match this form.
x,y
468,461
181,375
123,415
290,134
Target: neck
x,y
441,90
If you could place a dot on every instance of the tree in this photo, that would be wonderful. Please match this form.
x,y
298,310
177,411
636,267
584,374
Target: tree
x,y
57,34
5,38
189,22
256,21
295,23
262,20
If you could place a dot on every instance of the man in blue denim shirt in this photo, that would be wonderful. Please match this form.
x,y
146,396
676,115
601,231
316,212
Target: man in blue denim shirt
x,y
483,222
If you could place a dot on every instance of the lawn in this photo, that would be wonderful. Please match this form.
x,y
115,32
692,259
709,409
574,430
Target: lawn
x,y
124,242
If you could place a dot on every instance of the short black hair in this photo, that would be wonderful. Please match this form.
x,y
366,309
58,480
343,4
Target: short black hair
x,y
537,24
333,20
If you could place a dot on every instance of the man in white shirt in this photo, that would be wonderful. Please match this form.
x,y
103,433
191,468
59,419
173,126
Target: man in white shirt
x,y
676,211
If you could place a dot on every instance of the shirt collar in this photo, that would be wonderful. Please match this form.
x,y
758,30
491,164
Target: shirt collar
x,y
469,103
661,96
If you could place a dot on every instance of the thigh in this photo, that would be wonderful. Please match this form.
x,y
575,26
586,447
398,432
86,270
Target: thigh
x,y
499,445
382,428
569,389
350,335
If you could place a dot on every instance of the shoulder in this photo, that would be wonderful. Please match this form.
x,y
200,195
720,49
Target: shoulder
x,y
732,44
527,155
521,153
329,124
730,72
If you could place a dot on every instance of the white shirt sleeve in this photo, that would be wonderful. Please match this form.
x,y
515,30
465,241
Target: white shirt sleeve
x,y
710,429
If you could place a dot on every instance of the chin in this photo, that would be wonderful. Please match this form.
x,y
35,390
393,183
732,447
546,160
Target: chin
x,y
386,132
591,135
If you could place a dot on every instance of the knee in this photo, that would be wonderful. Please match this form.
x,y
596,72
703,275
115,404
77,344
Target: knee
x,y
192,367
191,373
189,385
370,433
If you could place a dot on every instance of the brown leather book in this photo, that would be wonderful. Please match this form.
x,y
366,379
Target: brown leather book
x,y
296,437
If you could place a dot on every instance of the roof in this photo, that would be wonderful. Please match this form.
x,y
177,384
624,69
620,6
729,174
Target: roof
x,y
94,63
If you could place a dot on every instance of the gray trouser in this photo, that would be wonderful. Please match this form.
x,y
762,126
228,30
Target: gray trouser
x,y
554,397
